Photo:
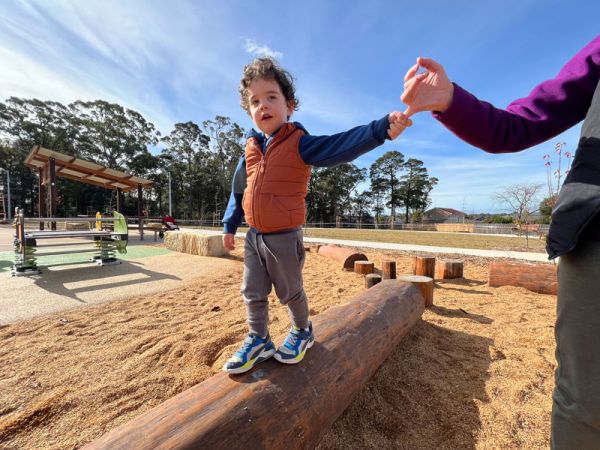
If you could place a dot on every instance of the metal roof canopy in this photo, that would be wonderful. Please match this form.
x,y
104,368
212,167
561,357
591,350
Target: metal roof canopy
x,y
78,169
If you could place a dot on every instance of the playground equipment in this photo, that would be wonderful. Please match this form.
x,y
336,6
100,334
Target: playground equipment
x,y
106,242
50,164
276,406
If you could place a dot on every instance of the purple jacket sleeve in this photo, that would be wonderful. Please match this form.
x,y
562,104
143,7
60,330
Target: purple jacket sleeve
x,y
551,108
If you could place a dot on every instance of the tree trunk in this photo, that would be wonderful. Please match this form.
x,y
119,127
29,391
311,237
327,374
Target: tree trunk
x,y
424,265
364,267
229,412
540,278
371,280
447,269
389,270
424,284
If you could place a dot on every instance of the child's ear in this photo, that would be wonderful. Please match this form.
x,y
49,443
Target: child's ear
x,y
290,108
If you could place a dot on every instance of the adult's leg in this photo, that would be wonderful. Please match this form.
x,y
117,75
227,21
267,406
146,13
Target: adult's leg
x,y
576,405
256,286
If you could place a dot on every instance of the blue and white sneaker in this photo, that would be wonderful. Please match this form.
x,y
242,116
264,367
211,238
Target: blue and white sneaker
x,y
295,345
254,350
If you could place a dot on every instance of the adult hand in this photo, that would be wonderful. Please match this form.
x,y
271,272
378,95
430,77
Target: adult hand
x,y
229,241
427,91
398,122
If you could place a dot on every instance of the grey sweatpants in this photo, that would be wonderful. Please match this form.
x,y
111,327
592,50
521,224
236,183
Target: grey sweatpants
x,y
576,399
274,260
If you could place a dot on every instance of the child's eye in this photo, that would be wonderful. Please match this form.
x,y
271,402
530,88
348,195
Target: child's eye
x,y
254,102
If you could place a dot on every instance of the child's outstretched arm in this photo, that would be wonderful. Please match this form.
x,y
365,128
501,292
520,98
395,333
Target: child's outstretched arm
x,y
339,148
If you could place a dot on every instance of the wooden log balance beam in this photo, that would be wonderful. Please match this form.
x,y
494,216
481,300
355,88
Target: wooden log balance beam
x,y
345,255
277,406
540,278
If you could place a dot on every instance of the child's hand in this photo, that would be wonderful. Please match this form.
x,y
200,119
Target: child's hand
x,y
398,122
229,241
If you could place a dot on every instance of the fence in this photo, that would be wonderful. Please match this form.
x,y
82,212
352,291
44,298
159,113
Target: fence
x,y
481,228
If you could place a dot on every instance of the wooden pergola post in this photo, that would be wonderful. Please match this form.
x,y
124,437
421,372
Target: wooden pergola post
x,y
119,200
41,197
52,181
140,213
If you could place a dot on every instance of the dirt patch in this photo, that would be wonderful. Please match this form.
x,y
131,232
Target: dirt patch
x,y
475,373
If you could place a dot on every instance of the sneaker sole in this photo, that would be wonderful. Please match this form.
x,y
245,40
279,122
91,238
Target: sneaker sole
x,y
264,355
295,360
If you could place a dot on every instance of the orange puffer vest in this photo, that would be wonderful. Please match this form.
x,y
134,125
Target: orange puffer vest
x,y
277,182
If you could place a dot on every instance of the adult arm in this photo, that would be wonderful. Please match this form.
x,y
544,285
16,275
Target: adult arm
x,y
551,108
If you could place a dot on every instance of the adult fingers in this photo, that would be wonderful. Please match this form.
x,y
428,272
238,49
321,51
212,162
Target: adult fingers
x,y
411,72
430,64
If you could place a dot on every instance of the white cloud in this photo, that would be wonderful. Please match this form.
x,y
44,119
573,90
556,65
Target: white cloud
x,y
255,49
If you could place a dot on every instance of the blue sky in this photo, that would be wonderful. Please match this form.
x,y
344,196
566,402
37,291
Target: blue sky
x,y
182,60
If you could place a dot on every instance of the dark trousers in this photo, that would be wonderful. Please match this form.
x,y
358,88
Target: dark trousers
x,y
576,399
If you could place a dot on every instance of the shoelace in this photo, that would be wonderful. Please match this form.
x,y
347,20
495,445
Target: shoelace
x,y
247,345
292,338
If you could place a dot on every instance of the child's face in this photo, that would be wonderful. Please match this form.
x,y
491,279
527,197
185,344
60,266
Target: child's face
x,y
268,107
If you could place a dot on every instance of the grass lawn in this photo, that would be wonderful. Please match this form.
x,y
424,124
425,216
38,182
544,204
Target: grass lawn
x,y
438,239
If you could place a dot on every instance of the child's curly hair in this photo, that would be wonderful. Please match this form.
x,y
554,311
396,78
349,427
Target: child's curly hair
x,y
267,69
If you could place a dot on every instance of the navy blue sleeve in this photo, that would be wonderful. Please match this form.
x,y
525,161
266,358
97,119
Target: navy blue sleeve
x,y
328,151
234,212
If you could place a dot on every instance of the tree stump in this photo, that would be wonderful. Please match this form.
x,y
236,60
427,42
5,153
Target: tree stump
x,y
424,284
540,278
389,270
364,267
371,280
449,268
345,255
229,412
424,265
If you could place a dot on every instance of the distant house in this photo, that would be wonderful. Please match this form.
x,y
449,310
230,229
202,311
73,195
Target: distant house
x,y
443,215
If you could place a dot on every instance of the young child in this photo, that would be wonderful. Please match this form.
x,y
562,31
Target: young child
x,y
269,187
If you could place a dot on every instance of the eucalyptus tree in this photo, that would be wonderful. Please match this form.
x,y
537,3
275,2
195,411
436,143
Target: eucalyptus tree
x,y
185,155
23,124
112,135
331,189
226,144
414,187
386,171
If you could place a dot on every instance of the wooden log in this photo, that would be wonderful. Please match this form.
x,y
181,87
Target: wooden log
x,y
315,248
345,255
389,270
424,284
372,279
540,278
364,267
424,265
229,412
449,268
